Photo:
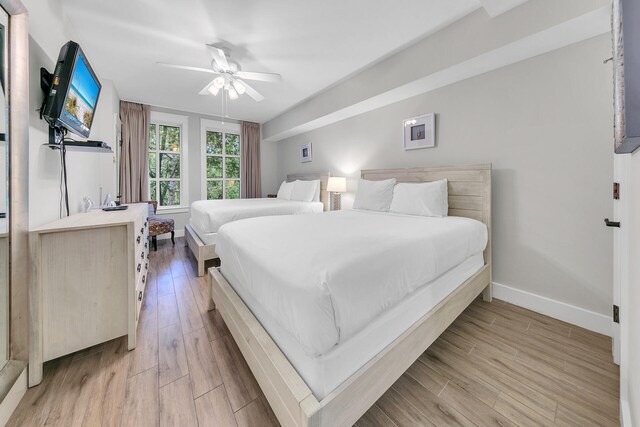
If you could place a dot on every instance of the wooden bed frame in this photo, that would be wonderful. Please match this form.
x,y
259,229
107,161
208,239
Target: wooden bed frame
x,y
291,399
204,252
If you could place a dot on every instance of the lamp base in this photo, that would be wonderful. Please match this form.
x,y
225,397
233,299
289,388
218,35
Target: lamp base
x,y
336,198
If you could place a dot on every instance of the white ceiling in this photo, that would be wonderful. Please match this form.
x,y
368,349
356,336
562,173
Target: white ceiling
x,y
312,45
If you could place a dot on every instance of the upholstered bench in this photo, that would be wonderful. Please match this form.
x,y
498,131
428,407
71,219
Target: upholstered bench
x,y
159,225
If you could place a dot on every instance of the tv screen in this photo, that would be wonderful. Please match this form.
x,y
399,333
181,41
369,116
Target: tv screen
x,y
74,92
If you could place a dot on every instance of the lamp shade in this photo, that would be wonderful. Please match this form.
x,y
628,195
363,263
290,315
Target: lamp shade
x,y
337,184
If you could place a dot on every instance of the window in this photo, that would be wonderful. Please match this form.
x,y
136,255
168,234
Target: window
x,y
221,161
167,152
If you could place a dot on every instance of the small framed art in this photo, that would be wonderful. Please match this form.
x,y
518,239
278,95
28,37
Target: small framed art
x,y
419,132
305,152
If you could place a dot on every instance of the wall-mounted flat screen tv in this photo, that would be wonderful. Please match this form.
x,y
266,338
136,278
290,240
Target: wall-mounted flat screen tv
x,y
74,92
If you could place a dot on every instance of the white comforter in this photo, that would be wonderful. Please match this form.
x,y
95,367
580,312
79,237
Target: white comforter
x,y
209,215
324,277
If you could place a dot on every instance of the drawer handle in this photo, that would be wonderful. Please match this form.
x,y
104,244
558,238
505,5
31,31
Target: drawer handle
x,y
138,239
145,223
143,278
142,230
148,256
145,245
139,267
142,254
140,296
146,265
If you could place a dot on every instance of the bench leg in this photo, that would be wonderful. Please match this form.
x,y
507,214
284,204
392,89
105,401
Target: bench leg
x,y
173,233
154,240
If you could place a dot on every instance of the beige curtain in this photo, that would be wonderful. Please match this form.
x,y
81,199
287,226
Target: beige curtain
x,y
134,155
250,160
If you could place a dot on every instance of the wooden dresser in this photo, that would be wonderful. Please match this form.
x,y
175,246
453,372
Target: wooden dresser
x,y
88,274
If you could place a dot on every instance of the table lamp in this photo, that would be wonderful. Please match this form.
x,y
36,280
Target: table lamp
x,y
336,185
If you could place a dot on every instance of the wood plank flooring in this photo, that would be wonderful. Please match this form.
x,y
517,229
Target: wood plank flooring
x,y
498,364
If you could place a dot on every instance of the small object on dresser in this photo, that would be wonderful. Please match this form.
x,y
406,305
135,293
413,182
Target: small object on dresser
x,y
336,185
108,202
272,196
115,208
88,203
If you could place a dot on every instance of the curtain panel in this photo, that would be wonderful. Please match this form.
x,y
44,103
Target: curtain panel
x,y
134,154
250,184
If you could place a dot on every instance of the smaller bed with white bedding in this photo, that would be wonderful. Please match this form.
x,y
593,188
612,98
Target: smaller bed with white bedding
x,y
299,194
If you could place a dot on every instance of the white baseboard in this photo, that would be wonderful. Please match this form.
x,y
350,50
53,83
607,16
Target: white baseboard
x,y
11,400
625,413
590,320
178,233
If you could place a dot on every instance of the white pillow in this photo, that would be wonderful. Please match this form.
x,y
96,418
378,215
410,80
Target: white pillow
x,y
316,196
424,199
374,195
286,188
304,191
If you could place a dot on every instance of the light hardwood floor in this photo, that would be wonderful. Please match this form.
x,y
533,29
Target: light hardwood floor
x,y
498,364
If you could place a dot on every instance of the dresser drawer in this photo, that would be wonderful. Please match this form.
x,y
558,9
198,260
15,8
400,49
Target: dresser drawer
x,y
141,231
138,297
141,261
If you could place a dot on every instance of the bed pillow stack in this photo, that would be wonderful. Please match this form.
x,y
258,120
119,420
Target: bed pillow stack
x,y
302,191
423,199
305,191
285,190
374,195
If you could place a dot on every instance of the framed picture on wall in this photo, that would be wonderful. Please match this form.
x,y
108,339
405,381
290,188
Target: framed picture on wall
x,y
305,152
419,132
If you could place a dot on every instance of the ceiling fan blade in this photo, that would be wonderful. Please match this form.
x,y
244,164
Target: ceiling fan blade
x,y
187,67
251,91
219,56
205,90
263,77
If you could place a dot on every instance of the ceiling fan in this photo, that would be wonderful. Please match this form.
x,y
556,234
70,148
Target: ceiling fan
x,y
231,78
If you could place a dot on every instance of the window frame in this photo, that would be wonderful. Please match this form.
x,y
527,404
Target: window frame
x,y
182,122
207,125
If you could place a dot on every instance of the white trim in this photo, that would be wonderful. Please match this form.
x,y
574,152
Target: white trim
x,y
183,122
218,126
173,210
177,233
12,399
590,320
625,413
572,31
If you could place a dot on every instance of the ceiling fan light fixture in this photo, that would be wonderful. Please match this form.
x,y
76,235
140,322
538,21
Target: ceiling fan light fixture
x,y
233,94
239,87
213,90
218,82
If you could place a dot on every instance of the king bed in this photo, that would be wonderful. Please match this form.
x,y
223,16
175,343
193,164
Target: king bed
x,y
329,310
207,216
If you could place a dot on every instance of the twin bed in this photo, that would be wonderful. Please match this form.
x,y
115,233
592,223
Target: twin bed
x,y
329,310
207,216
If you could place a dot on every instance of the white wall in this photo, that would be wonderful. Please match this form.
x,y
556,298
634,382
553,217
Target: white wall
x,y
88,173
269,167
546,125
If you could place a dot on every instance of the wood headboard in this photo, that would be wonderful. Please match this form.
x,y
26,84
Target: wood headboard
x,y
469,189
324,180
